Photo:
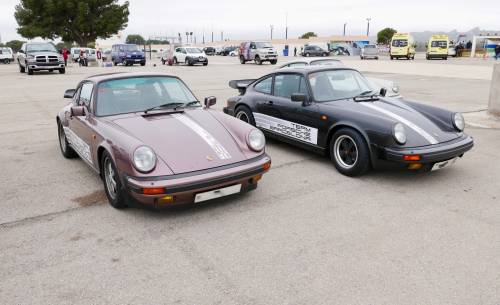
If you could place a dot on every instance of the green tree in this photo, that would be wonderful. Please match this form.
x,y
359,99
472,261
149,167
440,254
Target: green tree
x,y
61,45
135,39
308,35
71,20
385,36
15,45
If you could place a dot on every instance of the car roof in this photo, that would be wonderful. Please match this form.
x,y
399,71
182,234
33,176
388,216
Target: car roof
x,y
311,69
309,60
121,75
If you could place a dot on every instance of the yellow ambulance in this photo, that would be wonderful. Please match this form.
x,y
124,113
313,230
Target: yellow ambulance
x,y
402,46
438,47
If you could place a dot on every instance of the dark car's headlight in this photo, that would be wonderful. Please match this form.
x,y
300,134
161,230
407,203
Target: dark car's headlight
x,y
144,159
256,140
459,121
399,133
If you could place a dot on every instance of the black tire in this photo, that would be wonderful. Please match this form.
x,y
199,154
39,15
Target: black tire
x,y
349,152
273,61
115,63
361,57
188,62
244,114
112,184
22,69
392,58
242,60
66,149
163,61
30,71
143,64
205,63
306,54
175,61
257,60
62,71
6,61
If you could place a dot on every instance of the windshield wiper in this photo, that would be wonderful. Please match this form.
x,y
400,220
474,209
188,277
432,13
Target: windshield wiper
x,y
192,103
167,105
365,96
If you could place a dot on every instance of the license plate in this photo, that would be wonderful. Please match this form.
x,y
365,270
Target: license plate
x,y
441,165
137,60
230,190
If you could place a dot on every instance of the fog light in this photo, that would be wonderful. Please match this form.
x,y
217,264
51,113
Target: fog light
x,y
267,166
411,157
166,199
256,179
415,166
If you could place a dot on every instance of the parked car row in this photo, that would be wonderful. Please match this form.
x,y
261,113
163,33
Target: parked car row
x,y
154,143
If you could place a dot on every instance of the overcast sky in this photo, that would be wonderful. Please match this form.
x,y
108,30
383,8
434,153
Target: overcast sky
x,y
325,17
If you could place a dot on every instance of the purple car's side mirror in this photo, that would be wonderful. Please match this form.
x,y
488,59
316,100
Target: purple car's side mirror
x,y
210,101
77,111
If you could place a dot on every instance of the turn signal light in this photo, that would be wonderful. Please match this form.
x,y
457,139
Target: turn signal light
x,y
153,190
255,179
267,166
411,157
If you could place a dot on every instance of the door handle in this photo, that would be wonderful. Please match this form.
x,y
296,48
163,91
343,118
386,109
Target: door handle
x,y
270,103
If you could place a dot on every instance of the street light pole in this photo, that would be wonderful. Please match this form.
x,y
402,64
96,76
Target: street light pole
x,y
272,27
368,27
286,26
345,24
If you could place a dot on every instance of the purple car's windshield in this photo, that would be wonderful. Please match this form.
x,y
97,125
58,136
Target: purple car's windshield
x,y
141,93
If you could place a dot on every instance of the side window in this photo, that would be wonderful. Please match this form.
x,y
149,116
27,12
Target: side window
x,y
86,95
287,84
76,96
252,45
265,85
178,50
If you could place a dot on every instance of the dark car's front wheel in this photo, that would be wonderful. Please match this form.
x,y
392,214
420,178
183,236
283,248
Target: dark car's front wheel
x,y
66,149
244,114
349,152
112,184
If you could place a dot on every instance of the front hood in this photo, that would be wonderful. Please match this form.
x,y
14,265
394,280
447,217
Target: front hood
x,y
420,129
187,141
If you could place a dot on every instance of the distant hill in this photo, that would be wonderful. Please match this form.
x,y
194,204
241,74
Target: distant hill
x,y
423,37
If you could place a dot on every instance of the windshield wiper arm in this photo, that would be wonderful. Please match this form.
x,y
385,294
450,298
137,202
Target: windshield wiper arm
x,y
192,103
169,105
364,96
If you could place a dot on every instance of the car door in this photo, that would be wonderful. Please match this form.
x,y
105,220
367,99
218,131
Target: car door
x,y
296,120
81,129
253,51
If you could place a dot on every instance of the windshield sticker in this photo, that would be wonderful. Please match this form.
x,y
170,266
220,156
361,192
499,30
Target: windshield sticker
x,y
287,128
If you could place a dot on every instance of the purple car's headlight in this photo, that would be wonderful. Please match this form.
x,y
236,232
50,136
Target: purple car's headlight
x,y
256,140
144,159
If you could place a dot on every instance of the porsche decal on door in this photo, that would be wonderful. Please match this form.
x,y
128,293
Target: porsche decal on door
x,y
287,128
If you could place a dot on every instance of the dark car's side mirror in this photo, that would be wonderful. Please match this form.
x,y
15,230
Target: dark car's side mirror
x,y
69,93
77,111
299,97
21,51
210,101
383,91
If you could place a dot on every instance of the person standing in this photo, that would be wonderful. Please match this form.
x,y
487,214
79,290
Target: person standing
x,y
65,56
497,52
295,51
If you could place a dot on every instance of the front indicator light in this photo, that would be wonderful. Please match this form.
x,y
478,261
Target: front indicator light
x,y
415,166
411,157
153,191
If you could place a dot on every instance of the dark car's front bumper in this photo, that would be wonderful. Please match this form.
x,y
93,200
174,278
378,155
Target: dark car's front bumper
x,y
182,188
433,153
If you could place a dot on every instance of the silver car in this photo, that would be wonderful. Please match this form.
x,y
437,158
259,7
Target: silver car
x,y
38,56
392,89
369,51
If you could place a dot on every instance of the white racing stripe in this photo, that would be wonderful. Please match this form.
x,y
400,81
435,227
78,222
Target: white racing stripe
x,y
79,145
220,150
413,126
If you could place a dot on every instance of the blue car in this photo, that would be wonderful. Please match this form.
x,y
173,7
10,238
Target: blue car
x,y
127,54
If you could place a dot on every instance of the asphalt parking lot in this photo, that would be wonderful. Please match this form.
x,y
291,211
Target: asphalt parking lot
x,y
307,235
